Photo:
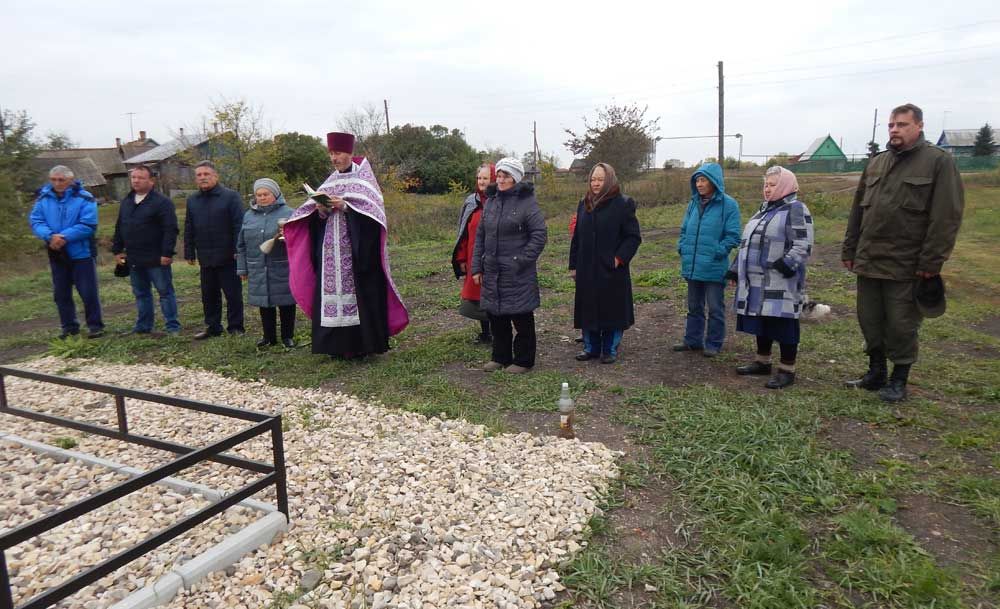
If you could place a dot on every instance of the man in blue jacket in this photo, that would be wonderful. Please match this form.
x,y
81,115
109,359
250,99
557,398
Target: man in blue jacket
x,y
711,229
65,218
145,236
211,229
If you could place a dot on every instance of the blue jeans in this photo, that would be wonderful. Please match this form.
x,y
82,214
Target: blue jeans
x,y
700,292
602,341
162,278
83,275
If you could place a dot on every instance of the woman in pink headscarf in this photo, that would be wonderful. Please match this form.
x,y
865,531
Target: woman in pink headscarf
x,y
770,276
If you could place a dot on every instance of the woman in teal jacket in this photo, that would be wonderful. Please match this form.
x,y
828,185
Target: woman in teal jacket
x,y
711,229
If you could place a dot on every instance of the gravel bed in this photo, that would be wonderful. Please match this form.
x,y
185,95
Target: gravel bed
x,y
33,485
388,508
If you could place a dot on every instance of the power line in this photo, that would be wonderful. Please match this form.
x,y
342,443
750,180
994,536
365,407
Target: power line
x,y
865,61
867,72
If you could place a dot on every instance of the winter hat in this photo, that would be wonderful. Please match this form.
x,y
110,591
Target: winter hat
x,y
513,167
270,185
339,142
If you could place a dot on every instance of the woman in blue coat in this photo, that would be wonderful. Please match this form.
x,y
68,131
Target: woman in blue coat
x,y
711,229
266,273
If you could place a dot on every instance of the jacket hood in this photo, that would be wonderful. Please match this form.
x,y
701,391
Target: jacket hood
x,y
712,171
520,190
76,189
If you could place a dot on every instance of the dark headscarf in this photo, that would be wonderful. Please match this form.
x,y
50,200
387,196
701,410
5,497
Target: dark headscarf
x,y
608,191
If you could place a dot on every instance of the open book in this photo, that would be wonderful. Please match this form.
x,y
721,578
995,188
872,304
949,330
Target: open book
x,y
321,198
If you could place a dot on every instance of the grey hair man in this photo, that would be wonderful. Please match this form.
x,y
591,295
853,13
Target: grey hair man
x,y
211,231
65,218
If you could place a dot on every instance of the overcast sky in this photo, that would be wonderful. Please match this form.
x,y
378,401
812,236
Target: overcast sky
x,y
794,70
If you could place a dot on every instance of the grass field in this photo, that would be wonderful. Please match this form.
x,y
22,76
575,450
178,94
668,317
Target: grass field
x,y
731,496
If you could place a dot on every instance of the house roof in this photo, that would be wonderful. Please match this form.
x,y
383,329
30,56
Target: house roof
x,y
169,149
811,150
578,164
84,168
958,137
107,160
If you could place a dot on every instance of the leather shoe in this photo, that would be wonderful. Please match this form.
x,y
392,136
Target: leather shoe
x,y
515,369
710,352
492,366
755,368
585,355
95,334
781,379
237,332
608,359
206,334
288,343
894,391
265,342
686,347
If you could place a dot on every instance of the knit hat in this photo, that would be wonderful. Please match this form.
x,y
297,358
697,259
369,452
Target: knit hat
x,y
270,185
339,142
511,166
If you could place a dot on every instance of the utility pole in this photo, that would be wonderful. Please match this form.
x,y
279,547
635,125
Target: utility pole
x,y
385,102
871,144
3,129
722,157
534,135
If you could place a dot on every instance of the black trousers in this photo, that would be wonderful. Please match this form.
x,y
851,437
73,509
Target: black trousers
x,y
789,351
269,320
509,349
216,281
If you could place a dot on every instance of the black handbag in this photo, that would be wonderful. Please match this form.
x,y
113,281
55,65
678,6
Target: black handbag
x,y
121,270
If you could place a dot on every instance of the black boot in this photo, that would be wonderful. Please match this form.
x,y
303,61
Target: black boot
x,y
782,378
757,368
895,391
875,378
484,334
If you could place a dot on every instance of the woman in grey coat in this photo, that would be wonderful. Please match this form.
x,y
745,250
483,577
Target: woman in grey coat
x,y
509,240
266,273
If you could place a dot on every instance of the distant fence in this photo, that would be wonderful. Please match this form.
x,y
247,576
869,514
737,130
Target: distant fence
x,y
964,163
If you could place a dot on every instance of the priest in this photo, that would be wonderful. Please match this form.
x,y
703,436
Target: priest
x,y
339,260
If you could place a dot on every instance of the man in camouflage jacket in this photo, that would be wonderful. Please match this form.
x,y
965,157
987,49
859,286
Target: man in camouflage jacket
x,y
903,225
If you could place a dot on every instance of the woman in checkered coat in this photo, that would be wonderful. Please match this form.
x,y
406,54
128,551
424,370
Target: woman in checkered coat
x,y
770,276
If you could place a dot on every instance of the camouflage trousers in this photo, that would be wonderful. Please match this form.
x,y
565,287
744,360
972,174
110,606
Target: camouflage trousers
x,y
889,318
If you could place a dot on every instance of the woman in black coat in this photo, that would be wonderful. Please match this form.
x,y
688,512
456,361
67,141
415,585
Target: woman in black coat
x,y
606,238
509,239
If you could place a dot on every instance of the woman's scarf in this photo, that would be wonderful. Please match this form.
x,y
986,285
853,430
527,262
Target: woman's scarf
x,y
608,191
787,183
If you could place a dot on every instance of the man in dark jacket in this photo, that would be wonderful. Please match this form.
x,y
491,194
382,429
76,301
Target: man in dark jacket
x,y
902,228
145,237
211,229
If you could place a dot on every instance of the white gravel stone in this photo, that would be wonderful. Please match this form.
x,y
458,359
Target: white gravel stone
x,y
391,508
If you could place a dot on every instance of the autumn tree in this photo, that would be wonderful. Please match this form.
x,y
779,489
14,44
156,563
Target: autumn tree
x,y
621,136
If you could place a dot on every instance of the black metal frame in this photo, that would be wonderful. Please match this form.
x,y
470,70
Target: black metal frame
x,y
274,474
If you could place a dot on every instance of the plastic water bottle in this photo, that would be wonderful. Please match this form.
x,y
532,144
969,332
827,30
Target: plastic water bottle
x,y
566,414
